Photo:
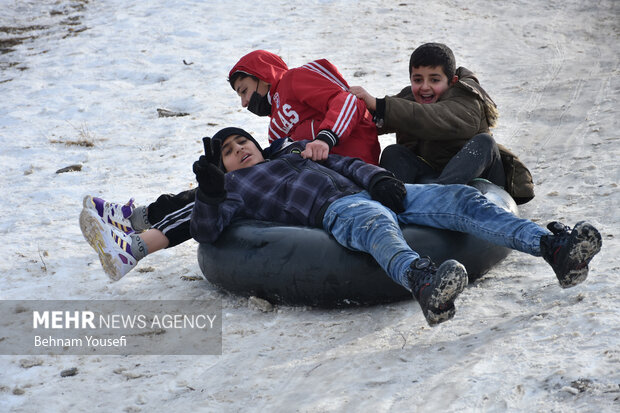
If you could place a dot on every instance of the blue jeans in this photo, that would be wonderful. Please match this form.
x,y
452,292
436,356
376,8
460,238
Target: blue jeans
x,y
361,224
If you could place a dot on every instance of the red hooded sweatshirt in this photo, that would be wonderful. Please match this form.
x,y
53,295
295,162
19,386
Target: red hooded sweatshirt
x,y
311,98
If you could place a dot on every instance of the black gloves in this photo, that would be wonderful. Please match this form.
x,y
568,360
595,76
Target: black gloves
x,y
208,173
389,191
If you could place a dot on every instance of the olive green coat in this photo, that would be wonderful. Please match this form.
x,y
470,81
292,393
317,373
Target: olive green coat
x,y
436,132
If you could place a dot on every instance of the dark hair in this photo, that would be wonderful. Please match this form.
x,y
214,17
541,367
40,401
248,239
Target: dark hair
x,y
239,75
432,55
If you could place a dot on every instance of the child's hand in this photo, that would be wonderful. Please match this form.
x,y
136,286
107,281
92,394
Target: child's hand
x,y
213,150
360,93
208,174
316,150
390,192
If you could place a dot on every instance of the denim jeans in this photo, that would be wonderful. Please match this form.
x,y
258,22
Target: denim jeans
x,y
361,224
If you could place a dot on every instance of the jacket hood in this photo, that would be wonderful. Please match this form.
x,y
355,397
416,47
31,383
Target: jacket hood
x,y
469,81
265,65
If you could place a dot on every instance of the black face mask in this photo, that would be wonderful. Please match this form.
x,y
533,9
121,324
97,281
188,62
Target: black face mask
x,y
259,105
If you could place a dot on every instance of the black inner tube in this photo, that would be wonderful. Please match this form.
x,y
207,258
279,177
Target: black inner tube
x,y
305,266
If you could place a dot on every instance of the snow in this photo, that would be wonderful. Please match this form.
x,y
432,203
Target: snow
x,y
97,71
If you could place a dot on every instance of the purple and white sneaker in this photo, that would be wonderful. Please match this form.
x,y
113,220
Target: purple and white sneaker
x,y
111,213
112,245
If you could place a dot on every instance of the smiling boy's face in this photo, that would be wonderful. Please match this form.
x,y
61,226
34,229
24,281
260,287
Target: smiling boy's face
x,y
239,152
429,83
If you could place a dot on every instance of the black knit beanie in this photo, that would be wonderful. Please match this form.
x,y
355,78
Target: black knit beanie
x,y
222,134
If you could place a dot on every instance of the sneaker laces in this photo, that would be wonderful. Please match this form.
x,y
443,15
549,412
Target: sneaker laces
x,y
557,228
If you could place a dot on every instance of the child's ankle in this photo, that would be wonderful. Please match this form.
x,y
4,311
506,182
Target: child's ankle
x,y
139,249
139,219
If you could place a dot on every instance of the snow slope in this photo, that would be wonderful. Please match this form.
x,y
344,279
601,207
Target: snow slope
x,y
81,86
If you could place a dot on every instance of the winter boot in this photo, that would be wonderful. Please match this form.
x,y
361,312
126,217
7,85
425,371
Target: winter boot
x,y
569,252
436,288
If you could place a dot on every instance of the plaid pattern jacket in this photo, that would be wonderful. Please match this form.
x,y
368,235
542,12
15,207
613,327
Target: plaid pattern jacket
x,y
285,188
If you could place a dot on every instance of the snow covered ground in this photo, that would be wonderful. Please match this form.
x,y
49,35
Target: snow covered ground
x,y
81,85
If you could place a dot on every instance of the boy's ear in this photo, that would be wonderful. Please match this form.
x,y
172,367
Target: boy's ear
x,y
455,79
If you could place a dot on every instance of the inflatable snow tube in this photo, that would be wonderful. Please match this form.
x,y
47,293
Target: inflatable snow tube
x,y
304,266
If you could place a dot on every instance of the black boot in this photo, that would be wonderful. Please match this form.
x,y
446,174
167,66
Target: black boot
x,y
436,288
569,252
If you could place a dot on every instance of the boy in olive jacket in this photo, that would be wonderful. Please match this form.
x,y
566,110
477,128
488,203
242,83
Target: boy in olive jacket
x,y
442,124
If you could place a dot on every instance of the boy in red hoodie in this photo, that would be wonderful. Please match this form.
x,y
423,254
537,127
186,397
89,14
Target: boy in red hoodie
x,y
309,102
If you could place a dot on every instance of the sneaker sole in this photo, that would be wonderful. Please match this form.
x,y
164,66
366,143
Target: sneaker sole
x,y
453,282
88,203
93,229
587,243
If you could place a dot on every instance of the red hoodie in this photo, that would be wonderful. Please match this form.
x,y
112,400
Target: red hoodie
x,y
311,98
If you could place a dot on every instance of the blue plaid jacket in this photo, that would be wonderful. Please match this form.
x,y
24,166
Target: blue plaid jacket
x,y
285,188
